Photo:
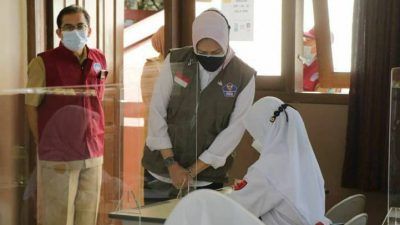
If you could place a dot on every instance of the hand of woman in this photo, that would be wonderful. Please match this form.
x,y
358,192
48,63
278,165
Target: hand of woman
x,y
178,175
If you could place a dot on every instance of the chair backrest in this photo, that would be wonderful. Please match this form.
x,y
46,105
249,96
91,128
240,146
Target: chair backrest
x,y
347,209
208,207
360,219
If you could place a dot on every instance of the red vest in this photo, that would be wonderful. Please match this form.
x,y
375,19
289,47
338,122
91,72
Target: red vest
x,y
310,76
71,125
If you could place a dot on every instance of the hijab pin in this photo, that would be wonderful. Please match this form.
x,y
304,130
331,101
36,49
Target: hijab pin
x,y
281,108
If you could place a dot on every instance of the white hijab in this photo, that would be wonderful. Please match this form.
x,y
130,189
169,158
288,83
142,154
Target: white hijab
x,y
287,158
211,24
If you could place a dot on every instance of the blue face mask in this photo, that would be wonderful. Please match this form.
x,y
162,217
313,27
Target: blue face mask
x,y
74,40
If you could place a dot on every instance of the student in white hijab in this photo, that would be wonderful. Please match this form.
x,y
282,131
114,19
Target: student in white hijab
x,y
199,100
285,185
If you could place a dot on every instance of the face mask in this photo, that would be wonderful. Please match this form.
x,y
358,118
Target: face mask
x,y
309,57
74,40
257,146
210,63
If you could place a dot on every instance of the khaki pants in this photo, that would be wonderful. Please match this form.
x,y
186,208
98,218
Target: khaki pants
x,y
70,192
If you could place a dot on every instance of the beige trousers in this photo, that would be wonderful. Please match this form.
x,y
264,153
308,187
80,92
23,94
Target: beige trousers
x,y
70,192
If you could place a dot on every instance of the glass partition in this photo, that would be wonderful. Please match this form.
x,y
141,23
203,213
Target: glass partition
x,y
393,216
77,152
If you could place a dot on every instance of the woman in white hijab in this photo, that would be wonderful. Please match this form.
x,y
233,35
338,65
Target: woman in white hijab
x,y
204,84
285,185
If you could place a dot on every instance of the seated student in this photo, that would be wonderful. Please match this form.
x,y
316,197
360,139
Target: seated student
x,y
284,186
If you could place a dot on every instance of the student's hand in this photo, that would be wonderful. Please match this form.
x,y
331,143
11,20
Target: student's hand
x,y
178,175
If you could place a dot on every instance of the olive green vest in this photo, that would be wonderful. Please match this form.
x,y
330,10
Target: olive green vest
x,y
195,118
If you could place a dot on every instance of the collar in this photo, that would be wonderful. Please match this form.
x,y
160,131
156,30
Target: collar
x,y
80,58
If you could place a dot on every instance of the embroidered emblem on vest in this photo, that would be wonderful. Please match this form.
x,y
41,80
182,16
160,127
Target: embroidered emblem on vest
x,y
181,79
97,67
229,90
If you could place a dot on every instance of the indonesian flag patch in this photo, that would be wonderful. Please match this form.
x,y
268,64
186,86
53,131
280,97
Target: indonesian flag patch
x,y
181,79
239,184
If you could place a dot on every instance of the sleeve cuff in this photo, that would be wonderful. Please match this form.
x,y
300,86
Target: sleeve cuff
x,y
33,99
212,160
158,143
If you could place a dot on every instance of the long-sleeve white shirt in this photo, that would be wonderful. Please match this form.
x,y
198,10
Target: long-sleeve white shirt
x,y
225,142
261,198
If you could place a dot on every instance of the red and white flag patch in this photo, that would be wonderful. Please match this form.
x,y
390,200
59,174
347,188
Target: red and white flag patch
x,y
181,79
239,184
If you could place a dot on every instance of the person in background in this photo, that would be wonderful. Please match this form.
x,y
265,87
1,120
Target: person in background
x,y
310,61
151,70
311,65
198,102
285,185
68,123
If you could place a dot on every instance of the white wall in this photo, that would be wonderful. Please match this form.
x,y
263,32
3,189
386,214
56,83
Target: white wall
x,y
13,43
13,57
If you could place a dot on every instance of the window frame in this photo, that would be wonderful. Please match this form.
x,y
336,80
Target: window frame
x,y
179,16
327,76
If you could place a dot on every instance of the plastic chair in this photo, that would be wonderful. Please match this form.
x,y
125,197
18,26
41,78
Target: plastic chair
x,y
208,207
346,209
360,219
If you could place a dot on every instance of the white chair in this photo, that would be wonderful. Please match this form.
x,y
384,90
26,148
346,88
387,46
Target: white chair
x,y
208,207
360,219
346,209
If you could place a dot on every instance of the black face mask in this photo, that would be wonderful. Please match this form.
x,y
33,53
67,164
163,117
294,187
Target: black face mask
x,y
211,63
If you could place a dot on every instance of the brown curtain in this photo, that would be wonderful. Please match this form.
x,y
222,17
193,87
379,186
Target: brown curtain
x,y
376,49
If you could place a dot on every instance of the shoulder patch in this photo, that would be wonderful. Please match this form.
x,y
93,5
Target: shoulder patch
x,y
239,185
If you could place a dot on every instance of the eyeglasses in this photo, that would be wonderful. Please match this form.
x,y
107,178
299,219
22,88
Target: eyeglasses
x,y
79,27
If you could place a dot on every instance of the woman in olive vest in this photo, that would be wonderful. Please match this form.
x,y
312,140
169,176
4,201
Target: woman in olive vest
x,y
197,106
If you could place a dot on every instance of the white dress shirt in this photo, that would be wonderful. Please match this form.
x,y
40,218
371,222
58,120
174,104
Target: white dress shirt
x,y
224,143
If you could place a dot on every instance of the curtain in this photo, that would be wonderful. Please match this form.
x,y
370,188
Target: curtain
x,y
376,49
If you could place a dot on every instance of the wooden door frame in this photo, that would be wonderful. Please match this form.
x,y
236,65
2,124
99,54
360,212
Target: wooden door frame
x,y
179,16
37,27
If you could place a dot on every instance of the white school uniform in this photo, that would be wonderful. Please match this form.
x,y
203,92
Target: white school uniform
x,y
285,185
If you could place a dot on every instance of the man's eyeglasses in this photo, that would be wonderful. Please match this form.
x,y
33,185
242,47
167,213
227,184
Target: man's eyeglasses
x,y
79,27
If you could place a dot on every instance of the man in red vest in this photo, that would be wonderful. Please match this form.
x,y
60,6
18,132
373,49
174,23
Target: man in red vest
x,y
67,123
310,61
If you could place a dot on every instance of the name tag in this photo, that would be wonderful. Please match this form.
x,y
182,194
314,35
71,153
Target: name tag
x,y
103,74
